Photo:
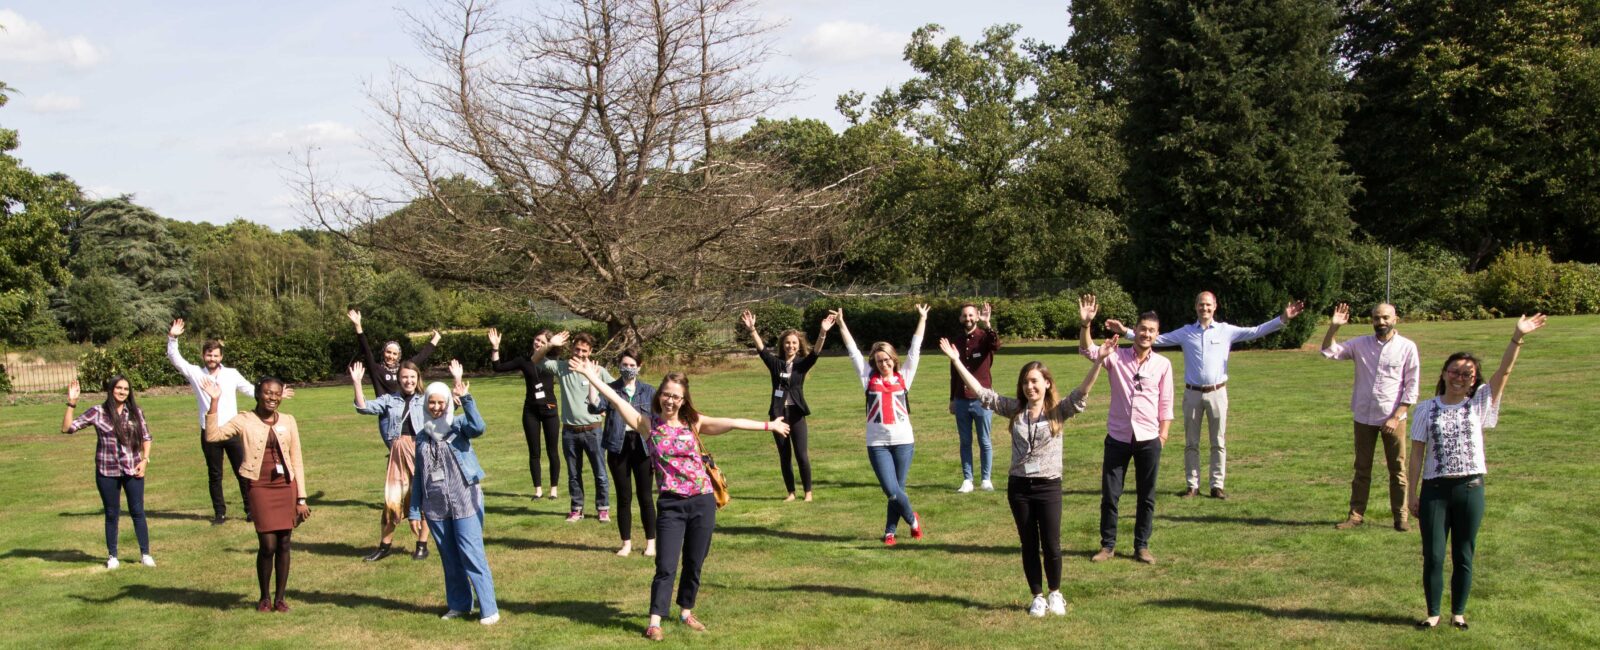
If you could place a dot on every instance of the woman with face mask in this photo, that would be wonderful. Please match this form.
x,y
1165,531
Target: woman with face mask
x,y
788,394
121,452
277,479
625,452
539,410
449,496
890,442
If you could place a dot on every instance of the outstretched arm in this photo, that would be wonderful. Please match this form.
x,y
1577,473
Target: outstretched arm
x,y
357,371
749,321
717,426
1094,368
624,408
950,351
822,333
173,354
73,393
1525,326
557,340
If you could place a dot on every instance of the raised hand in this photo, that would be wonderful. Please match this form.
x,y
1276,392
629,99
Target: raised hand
x,y
211,389
560,338
355,317
494,338
73,392
1109,346
288,393
778,425
456,370
1087,308
1526,325
461,388
436,337
837,315
1115,326
1293,309
922,309
582,367
827,321
177,328
1341,314
949,349
984,315
748,319
357,371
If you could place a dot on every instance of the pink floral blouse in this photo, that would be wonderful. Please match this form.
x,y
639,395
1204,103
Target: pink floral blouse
x,y
679,468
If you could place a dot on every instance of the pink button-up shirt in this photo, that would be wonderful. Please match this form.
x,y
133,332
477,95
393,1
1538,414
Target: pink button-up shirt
x,y
1387,375
1138,406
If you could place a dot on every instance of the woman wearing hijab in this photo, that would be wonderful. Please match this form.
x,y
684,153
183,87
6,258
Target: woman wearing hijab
x,y
277,479
122,449
448,493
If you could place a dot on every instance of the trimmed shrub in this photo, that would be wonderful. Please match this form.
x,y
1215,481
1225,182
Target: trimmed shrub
x,y
143,360
5,380
472,348
1016,319
1521,280
690,342
1114,302
296,356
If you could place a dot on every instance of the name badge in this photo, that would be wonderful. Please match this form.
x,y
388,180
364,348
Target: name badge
x,y
583,382
538,395
783,375
436,476
977,355
539,386
778,393
1031,467
280,470
278,428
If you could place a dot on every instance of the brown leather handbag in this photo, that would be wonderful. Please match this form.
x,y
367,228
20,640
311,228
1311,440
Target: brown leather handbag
x,y
719,483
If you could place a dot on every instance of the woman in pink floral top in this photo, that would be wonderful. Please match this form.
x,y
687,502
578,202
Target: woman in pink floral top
x,y
122,449
686,509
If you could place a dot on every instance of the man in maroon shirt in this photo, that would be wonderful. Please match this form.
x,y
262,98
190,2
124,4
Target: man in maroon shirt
x,y
977,345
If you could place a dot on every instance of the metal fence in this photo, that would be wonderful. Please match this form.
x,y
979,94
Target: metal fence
x,y
34,375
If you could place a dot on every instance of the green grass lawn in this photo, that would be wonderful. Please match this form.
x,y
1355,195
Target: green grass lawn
x,y
1262,568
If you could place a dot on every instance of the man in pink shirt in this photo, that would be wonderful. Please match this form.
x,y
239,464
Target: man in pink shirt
x,y
1387,374
1136,426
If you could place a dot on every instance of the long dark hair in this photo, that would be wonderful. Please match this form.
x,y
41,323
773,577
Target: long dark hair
x,y
124,425
686,410
1477,372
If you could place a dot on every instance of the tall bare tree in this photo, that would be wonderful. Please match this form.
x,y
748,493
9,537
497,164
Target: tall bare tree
x,y
580,155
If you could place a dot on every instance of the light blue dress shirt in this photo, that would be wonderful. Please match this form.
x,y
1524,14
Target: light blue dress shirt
x,y
1205,349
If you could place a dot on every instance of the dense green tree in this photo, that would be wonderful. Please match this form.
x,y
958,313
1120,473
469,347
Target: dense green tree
x,y
122,239
1233,176
34,210
1102,44
1476,126
96,307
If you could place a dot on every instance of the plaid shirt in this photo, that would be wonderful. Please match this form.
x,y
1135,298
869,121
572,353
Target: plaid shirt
x,y
110,457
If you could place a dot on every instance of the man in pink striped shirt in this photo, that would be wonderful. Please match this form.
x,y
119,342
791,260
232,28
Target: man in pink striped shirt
x,y
1136,426
1387,375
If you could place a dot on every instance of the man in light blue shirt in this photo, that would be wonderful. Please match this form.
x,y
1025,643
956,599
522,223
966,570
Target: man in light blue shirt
x,y
1206,344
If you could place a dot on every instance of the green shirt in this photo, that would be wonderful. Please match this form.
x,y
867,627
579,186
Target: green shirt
x,y
574,392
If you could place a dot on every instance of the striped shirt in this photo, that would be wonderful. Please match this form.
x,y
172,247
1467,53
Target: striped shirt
x,y
111,458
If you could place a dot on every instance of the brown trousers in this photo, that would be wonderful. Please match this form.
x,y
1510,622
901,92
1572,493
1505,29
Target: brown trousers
x,y
1394,452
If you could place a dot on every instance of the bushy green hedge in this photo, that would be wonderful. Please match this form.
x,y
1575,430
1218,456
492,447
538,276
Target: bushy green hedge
x,y
143,360
5,380
1524,280
295,356
772,318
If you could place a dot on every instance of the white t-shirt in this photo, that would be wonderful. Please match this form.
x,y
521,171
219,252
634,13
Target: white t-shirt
x,y
1454,434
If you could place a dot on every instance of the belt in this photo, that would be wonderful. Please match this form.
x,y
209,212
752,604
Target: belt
x,y
1206,389
585,428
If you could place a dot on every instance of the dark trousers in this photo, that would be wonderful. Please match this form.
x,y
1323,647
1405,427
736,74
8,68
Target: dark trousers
x,y
1036,507
633,462
532,423
794,444
1146,457
1449,508
574,444
234,449
685,526
111,489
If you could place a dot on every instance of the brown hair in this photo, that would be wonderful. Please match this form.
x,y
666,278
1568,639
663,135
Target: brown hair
x,y
1149,316
1051,395
686,410
1477,372
630,353
409,365
804,348
887,348
585,338
210,344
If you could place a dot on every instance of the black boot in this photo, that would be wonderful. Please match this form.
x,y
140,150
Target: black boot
x,y
382,552
422,551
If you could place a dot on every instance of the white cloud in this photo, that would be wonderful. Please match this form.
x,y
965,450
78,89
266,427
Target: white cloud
x,y
850,42
316,134
53,103
25,41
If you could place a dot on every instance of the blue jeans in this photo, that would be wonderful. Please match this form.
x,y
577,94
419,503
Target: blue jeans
x,y
111,489
459,543
892,464
575,444
970,415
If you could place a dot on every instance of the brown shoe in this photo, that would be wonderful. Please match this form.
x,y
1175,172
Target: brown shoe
x,y
1143,555
1189,493
1219,493
654,633
1104,554
692,622
1352,522
1402,524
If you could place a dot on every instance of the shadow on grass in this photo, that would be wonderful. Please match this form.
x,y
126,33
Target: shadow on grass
x,y
521,511
1248,521
598,614
149,514
1304,614
857,592
337,549
73,556
186,596
538,545
786,534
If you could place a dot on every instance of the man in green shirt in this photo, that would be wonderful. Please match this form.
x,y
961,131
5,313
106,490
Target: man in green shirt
x,y
580,430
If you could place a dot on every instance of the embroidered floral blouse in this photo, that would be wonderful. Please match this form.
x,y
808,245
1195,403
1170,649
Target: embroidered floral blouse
x,y
679,467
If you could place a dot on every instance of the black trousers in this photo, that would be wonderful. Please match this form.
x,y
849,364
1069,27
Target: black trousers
x,y
632,463
532,423
685,527
1036,507
214,451
1146,457
795,445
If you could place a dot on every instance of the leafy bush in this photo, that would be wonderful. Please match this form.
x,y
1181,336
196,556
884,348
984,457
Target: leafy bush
x,y
213,319
1520,280
1577,289
295,356
1114,302
1427,283
1016,319
772,319
5,380
143,360
690,342
471,348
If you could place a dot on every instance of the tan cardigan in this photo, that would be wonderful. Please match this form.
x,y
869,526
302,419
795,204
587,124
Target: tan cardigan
x,y
249,427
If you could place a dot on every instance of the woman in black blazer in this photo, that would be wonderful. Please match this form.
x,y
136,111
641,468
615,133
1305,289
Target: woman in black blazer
x,y
788,394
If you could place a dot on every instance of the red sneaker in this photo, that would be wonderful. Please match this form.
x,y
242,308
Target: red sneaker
x,y
916,526
888,539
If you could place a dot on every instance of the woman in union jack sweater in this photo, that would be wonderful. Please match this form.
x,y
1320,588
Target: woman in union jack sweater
x,y
889,438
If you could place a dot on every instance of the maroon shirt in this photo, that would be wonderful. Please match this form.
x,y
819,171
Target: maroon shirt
x,y
977,352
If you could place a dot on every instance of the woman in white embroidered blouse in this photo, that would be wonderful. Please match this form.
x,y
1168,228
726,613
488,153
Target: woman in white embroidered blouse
x,y
1447,455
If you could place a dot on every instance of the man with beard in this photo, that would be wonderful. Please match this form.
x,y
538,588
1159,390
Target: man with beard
x,y
1387,375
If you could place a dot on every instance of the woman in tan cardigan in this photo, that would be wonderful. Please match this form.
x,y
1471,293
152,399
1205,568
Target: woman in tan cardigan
x,y
277,478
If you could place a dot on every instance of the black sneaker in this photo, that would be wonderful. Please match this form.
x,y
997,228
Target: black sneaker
x,y
219,520
421,553
382,552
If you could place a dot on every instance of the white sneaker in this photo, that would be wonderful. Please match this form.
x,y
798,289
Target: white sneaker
x,y
966,486
1036,610
112,563
1058,604
490,620
452,614
988,486
147,560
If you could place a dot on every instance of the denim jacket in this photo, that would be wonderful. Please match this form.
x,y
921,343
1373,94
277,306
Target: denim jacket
x,y
462,431
643,399
390,407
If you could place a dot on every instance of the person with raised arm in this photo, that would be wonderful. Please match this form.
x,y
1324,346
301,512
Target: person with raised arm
x,y
580,429
386,375
1447,468
1137,424
449,498
977,344
402,414
1388,370
121,454
1206,345
625,453
788,401
686,504
1033,486
272,464
890,441
539,412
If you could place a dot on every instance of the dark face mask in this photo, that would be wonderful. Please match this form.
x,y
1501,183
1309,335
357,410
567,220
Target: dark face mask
x,y
629,373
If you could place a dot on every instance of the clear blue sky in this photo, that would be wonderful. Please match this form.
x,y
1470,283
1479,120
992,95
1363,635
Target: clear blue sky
x,y
193,107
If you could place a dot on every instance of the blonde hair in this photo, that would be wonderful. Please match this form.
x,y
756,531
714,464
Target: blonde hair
x,y
804,349
886,348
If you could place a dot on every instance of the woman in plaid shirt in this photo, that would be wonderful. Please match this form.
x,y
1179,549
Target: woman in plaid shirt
x,y
122,449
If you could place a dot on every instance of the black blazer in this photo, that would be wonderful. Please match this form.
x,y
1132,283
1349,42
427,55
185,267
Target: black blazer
x,y
794,385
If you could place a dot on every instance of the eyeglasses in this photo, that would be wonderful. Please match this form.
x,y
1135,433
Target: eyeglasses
x,y
1466,373
668,397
